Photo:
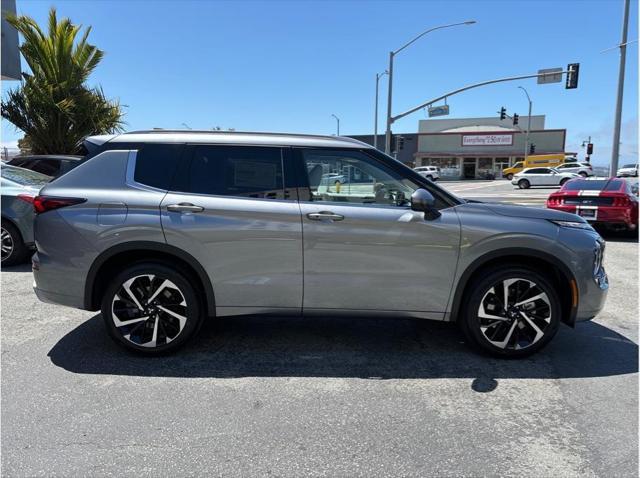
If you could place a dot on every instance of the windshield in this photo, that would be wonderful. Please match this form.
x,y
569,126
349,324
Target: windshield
x,y
24,177
629,166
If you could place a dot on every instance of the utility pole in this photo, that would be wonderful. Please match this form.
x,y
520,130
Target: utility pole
x,y
392,54
375,122
338,120
615,149
526,144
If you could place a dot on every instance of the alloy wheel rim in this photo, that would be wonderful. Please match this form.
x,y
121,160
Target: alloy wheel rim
x,y
7,243
149,310
514,314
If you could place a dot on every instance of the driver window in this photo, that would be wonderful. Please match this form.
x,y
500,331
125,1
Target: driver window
x,y
353,177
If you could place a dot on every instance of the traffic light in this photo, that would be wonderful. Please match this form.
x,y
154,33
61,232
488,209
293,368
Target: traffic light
x,y
532,148
503,113
515,118
589,149
400,142
572,76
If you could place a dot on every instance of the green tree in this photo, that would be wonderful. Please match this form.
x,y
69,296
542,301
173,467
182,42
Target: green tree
x,y
53,106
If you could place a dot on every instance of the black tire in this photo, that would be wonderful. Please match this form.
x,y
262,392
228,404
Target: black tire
x,y
563,181
509,176
167,326
480,292
583,174
429,177
524,184
11,238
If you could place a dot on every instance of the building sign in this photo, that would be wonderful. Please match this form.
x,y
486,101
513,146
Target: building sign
x,y
487,139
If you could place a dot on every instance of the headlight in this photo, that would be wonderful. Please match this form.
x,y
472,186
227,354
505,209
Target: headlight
x,y
574,224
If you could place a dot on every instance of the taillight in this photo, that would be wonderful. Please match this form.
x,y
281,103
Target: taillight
x,y
26,198
47,203
621,201
554,201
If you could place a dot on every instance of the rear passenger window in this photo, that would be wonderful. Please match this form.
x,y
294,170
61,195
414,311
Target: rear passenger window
x,y
241,171
156,164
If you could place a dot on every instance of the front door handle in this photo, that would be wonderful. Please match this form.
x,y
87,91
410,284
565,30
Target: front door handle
x,y
324,216
184,207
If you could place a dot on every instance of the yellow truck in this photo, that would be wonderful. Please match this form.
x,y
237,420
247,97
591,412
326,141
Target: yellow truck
x,y
538,160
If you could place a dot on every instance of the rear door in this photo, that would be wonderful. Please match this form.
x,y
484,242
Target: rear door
x,y
229,208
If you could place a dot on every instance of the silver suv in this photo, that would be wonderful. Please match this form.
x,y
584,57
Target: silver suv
x,y
161,229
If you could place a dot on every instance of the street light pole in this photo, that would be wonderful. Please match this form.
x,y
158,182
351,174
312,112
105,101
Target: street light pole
x,y
392,54
526,144
338,120
615,149
375,122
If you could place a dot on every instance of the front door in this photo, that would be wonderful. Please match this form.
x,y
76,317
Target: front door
x,y
229,209
364,248
469,168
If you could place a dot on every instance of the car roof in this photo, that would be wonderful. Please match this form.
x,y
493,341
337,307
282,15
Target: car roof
x,y
230,137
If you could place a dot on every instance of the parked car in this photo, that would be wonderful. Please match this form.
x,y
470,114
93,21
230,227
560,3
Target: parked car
x,y
584,169
628,170
50,165
611,203
430,172
162,229
541,177
19,187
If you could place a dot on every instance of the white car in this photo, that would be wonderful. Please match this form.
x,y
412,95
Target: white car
x,y
628,170
583,169
541,177
429,172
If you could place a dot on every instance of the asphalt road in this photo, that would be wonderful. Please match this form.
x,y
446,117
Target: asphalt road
x,y
319,397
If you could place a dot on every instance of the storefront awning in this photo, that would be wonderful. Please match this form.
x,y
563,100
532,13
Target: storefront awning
x,y
483,154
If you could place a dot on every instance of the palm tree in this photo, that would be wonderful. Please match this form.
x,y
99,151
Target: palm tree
x,y
53,105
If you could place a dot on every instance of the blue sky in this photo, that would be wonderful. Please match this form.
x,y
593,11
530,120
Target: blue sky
x,y
287,66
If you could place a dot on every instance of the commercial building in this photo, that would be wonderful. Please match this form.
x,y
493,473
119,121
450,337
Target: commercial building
x,y
470,148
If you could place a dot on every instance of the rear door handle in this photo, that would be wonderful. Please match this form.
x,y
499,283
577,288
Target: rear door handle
x,y
325,216
184,207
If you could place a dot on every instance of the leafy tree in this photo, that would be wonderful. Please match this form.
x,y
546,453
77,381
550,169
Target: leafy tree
x,y
53,106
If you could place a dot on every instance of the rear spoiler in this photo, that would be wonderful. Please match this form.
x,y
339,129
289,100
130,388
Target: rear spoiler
x,y
93,143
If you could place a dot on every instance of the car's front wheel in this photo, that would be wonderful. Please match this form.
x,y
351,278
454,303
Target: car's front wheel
x,y
563,181
151,308
509,176
524,184
511,312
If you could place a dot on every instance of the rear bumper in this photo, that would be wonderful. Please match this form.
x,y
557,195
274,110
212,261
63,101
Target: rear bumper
x,y
606,215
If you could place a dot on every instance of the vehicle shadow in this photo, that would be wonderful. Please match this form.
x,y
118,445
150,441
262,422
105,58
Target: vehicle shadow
x,y
617,236
26,267
343,347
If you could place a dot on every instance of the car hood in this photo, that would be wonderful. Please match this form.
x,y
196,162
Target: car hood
x,y
527,212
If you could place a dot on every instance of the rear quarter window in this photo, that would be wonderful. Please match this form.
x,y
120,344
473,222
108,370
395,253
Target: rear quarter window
x,y
156,164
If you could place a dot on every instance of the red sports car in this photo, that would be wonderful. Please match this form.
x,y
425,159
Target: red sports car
x,y
611,202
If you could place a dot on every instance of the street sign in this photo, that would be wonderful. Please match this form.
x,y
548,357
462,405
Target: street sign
x,y
550,75
442,110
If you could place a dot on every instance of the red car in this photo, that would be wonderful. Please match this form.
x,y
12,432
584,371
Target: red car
x,y
611,203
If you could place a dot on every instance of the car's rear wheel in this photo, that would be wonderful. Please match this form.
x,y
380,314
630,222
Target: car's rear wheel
x,y
14,250
524,184
583,174
509,176
151,308
511,312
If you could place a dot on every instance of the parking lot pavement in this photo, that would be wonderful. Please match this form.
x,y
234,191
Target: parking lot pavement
x,y
499,190
320,397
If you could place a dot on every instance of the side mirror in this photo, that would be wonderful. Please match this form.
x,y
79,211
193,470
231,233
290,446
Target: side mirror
x,y
422,200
